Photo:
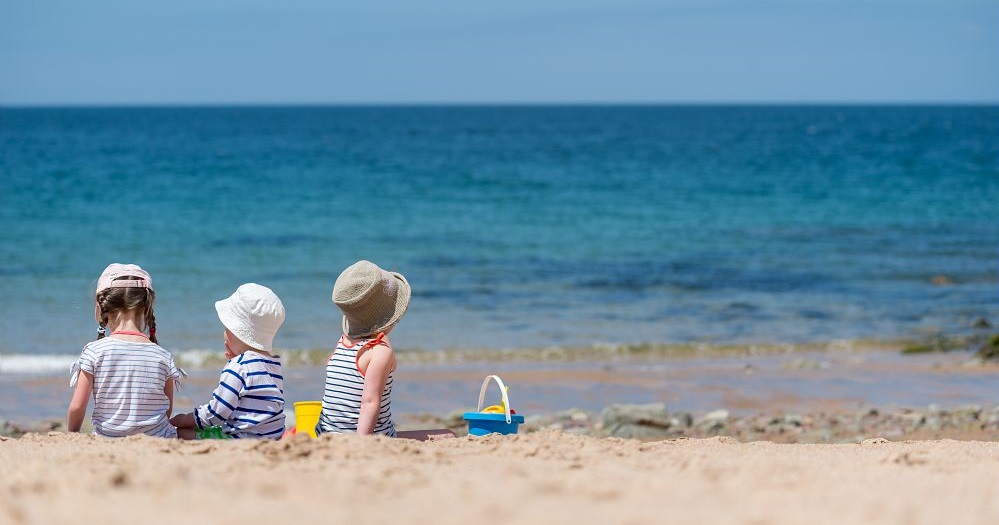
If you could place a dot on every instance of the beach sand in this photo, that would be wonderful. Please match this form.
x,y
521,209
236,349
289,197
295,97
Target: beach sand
x,y
546,477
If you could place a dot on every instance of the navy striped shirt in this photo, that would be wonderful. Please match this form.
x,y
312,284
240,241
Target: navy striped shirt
x,y
342,395
249,401
129,382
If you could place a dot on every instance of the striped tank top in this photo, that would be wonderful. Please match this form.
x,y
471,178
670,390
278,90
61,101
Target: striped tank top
x,y
342,395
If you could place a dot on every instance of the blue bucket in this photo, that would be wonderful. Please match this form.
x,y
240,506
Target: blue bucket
x,y
480,424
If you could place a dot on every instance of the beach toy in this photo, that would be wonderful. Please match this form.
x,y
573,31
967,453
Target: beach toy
x,y
500,408
307,416
499,419
213,432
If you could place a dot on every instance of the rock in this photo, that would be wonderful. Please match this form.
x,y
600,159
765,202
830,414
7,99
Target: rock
x,y
981,323
644,432
637,421
792,419
681,420
967,413
713,422
989,349
990,419
914,420
716,415
652,415
868,413
456,419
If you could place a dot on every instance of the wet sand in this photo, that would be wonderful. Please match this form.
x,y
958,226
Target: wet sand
x,y
795,381
545,478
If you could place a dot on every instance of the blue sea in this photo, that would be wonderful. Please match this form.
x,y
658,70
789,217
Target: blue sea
x,y
518,227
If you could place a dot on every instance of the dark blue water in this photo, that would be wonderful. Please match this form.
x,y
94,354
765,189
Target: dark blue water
x,y
517,226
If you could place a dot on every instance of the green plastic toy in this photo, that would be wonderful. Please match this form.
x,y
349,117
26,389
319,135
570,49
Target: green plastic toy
x,y
212,433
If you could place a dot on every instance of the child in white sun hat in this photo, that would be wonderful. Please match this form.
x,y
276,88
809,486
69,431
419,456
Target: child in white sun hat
x,y
249,400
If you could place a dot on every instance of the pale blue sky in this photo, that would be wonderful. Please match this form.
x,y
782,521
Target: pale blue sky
x,y
439,51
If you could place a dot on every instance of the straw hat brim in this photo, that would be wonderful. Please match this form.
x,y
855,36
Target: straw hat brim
x,y
399,308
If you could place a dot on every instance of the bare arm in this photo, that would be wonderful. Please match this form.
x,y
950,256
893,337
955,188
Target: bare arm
x,y
375,375
168,390
78,405
183,421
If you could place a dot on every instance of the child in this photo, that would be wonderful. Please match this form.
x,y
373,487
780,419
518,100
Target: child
x,y
249,401
131,377
358,393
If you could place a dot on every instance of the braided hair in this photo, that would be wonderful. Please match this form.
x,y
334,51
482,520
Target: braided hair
x,y
112,300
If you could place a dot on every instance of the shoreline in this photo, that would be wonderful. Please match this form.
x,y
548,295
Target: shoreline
x,y
50,363
656,422
768,382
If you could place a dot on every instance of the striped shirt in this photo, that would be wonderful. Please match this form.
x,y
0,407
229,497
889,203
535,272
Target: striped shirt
x,y
129,379
249,401
342,395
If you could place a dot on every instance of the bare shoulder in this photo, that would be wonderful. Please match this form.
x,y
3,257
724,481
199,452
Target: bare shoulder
x,y
380,353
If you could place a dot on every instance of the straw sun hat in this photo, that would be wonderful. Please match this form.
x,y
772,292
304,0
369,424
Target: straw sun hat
x,y
253,313
371,299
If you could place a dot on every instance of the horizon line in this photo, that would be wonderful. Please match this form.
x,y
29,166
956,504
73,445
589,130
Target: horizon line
x,y
348,104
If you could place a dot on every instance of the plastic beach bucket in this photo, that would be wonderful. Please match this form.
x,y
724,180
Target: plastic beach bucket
x,y
307,416
480,424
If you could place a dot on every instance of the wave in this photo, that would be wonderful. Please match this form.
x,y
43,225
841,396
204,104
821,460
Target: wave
x,y
202,359
35,364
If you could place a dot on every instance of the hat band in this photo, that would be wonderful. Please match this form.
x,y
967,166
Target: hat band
x,y
129,283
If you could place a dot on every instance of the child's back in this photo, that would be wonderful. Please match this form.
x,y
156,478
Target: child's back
x,y
128,390
129,375
344,389
249,401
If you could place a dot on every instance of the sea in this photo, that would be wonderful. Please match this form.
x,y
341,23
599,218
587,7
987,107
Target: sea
x,y
526,227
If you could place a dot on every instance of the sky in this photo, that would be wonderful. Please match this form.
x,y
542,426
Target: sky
x,y
100,52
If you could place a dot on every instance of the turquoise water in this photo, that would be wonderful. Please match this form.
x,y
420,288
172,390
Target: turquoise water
x,y
517,226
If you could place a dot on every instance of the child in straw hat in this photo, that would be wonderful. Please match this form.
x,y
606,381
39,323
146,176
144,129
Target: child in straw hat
x,y
358,393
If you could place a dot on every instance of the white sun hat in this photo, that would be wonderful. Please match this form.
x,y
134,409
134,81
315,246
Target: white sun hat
x,y
253,313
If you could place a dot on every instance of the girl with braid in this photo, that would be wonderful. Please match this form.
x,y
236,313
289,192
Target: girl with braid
x,y
129,375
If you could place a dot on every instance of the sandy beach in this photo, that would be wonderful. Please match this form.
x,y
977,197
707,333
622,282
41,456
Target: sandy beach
x,y
546,477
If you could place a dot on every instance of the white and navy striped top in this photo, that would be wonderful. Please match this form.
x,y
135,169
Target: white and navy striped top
x,y
249,401
129,379
342,396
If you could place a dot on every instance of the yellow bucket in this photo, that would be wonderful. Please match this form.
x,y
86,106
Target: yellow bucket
x,y
307,416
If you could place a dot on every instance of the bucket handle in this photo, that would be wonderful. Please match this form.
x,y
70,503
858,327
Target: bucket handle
x,y
502,387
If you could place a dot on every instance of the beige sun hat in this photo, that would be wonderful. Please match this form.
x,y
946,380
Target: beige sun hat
x,y
253,313
371,299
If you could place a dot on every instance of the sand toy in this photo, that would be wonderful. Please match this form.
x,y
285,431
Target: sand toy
x,y
499,419
307,416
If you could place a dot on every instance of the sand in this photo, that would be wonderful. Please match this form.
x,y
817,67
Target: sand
x,y
547,477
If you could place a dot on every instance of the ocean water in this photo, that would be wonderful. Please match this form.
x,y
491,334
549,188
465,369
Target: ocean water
x,y
517,226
